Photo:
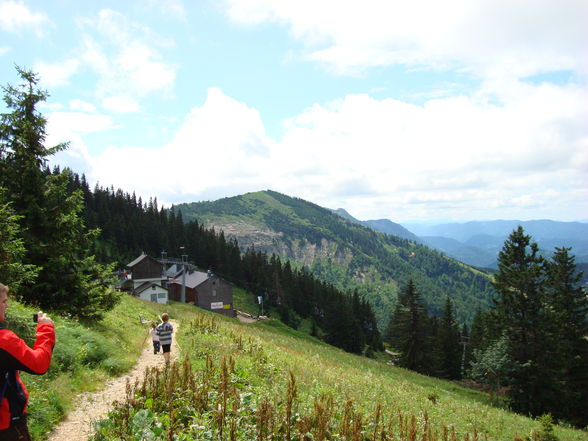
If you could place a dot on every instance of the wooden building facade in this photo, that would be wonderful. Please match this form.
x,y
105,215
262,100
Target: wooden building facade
x,y
148,280
204,290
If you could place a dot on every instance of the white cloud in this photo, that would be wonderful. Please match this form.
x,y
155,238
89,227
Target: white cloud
x,y
485,36
62,124
125,56
221,144
82,106
15,16
121,104
71,127
4,50
450,157
454,151
56,74
508,144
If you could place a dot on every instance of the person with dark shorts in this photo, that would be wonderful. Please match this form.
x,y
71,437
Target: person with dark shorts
x,y
165,331
16,356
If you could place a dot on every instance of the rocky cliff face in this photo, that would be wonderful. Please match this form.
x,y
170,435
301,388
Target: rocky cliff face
x,y
269,241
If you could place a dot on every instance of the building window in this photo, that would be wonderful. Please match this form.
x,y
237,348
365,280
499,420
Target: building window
x,y
161,295
153,287
154,297
214,293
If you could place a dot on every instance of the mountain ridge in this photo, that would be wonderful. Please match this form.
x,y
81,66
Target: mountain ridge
x,y
342,252
478,242
382,225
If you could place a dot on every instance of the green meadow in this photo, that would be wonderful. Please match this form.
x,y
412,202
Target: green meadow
x,y
326,374
254,381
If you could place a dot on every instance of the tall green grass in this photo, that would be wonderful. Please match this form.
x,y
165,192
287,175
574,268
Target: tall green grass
x,y
265,381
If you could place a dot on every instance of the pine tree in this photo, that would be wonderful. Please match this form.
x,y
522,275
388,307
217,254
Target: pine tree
x,y
493,365
369,325
342,327
407,330
55,237
13,272
568,304
71,280
465,355
520,310
23,155
448,344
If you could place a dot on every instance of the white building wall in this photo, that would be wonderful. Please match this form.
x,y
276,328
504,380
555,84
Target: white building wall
x,y
155,294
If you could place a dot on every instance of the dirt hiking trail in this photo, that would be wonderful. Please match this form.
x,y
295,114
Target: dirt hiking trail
x,y
93,406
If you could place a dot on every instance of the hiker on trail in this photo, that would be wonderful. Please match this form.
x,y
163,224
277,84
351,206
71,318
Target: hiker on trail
x,y
16,356
154,338
164,331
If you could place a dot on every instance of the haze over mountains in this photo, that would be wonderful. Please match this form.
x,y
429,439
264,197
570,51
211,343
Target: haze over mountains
x,y
477,243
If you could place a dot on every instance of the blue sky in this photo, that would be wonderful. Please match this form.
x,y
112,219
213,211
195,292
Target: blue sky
x,y
420,110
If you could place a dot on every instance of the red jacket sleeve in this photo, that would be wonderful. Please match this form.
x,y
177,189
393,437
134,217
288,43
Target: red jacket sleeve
x,y
17,355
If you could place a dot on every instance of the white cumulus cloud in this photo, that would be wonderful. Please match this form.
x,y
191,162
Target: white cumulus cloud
x,y
125,56
121,104
71,127
56,74
485,36
82,106
221,144
449,157
15,16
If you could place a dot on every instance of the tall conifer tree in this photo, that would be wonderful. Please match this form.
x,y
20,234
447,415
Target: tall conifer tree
x,y
55,237
568,304
448,345
520,310
407,330
13,271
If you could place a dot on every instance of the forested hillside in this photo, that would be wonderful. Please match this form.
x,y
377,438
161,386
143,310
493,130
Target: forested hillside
x,y
346,254
128,226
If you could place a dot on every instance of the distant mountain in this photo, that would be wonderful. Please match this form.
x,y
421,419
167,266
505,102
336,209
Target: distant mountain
x,y
343,252
381,225
478,242
472,255
345,215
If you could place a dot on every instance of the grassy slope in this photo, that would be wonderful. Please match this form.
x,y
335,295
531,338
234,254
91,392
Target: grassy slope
x,y
320,368
86,355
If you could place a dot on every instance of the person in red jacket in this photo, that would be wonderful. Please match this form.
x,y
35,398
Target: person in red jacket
x,y
16,356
